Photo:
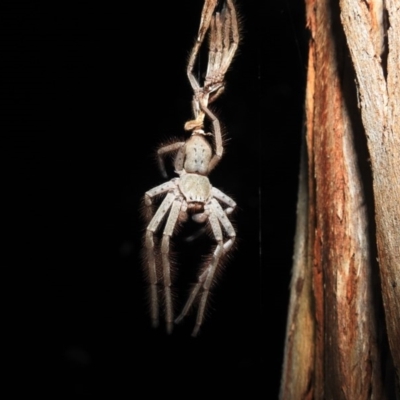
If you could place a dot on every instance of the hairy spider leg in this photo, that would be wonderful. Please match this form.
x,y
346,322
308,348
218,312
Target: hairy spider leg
x,y
217,217
219,148
166,265
223,198
221,249
161,152
223,43
206,15
149,241
230,36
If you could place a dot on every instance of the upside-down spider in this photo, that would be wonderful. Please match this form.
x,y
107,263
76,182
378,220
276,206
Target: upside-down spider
x,y
191,194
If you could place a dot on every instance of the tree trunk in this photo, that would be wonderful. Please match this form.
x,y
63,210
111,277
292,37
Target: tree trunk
x,y
343,331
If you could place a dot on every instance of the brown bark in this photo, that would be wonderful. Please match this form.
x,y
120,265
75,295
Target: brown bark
x,y
299,356
334,340
379,89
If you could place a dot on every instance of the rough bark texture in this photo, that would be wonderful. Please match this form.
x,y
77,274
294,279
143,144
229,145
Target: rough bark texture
x,y
299,357
378,75
335,342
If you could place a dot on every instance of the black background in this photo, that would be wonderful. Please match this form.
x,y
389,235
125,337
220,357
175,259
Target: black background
x,y
88,93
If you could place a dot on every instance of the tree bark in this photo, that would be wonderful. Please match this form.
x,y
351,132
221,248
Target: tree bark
x,y
336,341
377,67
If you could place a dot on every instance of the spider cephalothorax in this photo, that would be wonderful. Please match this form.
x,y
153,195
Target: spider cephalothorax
x,y
191,193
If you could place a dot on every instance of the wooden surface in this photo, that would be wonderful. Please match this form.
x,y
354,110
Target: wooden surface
x,y
335,341
378,75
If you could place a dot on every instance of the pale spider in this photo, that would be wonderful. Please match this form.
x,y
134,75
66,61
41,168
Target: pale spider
x,y
191,194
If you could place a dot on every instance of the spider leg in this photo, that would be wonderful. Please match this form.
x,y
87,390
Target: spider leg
x,y
149,245
160,189
165,254
206,20
230,35
162,151
223,198
223,43
219,148
208,274
225,222
217,217
206,15
221,250
224,40
156,191
215,47
213,220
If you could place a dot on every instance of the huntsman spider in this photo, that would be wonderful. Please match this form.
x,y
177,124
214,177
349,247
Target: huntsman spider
x,y
191,194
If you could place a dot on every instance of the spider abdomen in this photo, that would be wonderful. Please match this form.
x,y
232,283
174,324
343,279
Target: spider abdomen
x,y
198,155
195,188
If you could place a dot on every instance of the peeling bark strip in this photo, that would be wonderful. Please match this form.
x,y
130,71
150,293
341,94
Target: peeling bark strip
x,y
380,110
300,332
332,294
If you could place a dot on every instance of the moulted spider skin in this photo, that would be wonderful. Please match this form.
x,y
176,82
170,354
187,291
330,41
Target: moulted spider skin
x,y
191,193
